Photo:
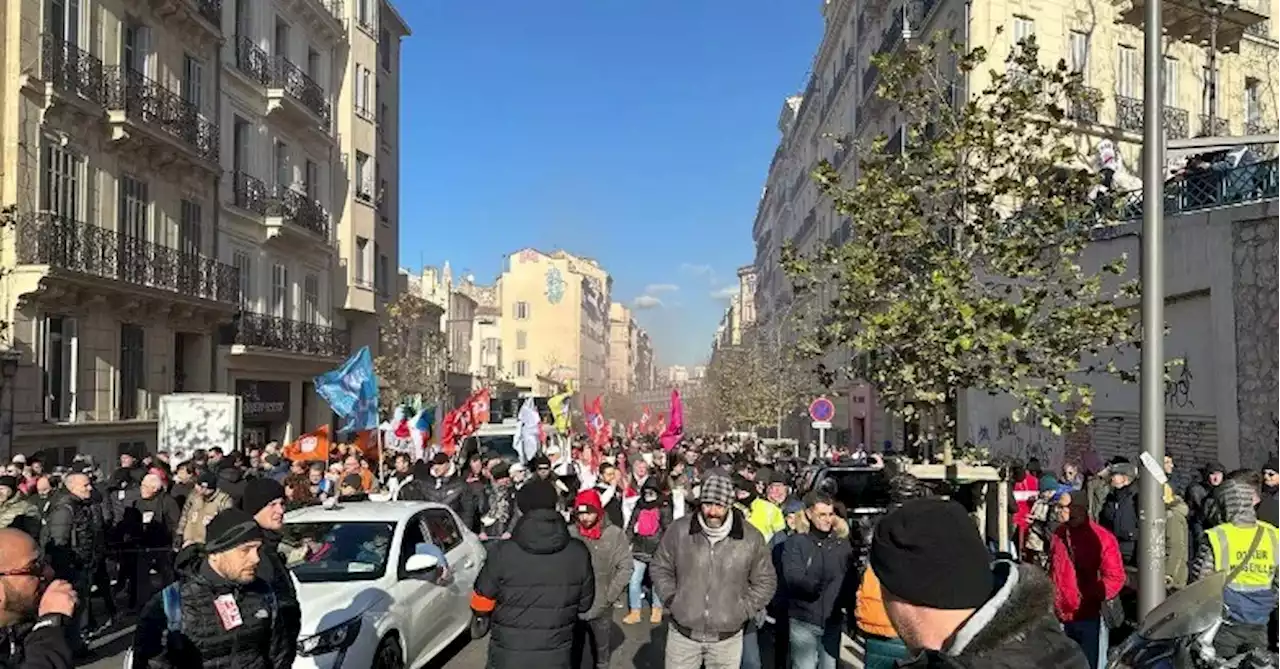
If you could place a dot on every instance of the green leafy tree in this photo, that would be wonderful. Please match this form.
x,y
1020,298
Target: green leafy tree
x,y
414,353
964,267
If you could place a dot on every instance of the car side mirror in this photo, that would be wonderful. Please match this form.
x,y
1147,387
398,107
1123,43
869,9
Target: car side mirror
x,y
420,563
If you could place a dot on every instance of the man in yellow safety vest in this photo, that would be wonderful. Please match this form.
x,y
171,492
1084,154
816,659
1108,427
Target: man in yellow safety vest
x,y
1251,596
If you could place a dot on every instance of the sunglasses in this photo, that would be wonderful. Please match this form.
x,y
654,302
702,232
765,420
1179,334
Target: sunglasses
x,y
36,567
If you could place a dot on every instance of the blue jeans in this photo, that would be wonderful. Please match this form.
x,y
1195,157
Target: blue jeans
x,y
751,647
634,589
1093,637
814,647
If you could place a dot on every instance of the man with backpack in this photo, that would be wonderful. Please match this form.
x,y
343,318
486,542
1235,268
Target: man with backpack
x,y
219,614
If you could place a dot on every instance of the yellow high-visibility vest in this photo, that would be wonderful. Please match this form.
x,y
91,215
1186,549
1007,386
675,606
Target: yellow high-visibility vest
x,y
1231,546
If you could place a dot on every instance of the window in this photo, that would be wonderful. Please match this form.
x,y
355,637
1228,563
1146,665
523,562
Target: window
x,y
522,368
281,45
1023,28
384,49
64,20
441,529
312,179
522,340
313,64
190,229
1253,102
1169,86
311,299
364,91
131,372
135,47
521,311
362,261
1210,104
244,270
193,82
382,201
364,177
1079,43
1128,77
364,13
280,307
284,172
61,178
60,363
239,144
384,280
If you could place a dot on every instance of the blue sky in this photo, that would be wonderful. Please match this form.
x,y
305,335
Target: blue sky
x,y
636,133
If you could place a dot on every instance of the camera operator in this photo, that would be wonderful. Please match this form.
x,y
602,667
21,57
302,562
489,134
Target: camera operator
x,y
34,616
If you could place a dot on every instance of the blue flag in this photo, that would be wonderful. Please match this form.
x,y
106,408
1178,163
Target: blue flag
x,y
352,392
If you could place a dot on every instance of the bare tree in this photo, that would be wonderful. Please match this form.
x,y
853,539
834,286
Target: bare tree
x,y
413,358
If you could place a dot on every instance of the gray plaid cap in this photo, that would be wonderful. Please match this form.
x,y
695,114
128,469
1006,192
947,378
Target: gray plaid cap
x,y
717,489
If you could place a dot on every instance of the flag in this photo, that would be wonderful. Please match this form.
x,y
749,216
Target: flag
x,y
675,429
559,406
313,445
645,418
352,392
367,443
598,428
478,406
527,431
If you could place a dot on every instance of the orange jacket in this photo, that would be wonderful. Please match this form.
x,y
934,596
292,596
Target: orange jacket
x,y
870,613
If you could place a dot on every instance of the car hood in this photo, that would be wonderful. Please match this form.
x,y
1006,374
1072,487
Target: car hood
x,y
325,605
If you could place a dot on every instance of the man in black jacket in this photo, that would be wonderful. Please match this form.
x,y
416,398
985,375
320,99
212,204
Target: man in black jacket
x,y
264,500
1119,512
156,516
815,561
40,643
72,538
534,586
219,615
441,484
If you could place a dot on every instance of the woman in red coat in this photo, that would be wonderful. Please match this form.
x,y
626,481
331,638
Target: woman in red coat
x,y
1087,571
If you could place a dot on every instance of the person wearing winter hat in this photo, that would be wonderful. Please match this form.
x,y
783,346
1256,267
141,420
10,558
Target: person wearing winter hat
x,y
1119,513
1268,507
204,502
951,606
534,587
713,572
612,568
15,509
228,615
1201,507
500,504
264,499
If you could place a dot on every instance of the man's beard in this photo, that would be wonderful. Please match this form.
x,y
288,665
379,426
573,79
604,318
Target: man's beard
x,y
20,607
712,522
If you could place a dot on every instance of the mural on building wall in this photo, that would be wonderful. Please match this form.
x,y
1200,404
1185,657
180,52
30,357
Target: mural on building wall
x,y
555,285
529,255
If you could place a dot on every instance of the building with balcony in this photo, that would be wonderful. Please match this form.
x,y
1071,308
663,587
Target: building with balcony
x,y
367,122
111,279
555,319
281,67
486,363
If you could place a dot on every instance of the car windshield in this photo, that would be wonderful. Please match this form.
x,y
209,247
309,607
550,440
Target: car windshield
x,y
500,445
857,488
340,551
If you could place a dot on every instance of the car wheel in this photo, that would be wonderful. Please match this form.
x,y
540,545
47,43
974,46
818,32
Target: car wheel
x,y
388,655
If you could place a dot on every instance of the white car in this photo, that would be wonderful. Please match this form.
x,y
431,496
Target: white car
x,y
373,593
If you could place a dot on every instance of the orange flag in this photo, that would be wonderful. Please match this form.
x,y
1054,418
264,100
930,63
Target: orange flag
x,y
313,445
367,444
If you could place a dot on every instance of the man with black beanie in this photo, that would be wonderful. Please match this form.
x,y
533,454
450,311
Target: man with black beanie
x,y
264,500
534,586
952,607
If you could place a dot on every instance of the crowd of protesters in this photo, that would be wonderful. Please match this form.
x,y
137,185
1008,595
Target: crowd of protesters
x,y
727,545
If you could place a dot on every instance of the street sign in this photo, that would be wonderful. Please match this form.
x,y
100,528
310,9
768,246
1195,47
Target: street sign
x,y
822,425
822,410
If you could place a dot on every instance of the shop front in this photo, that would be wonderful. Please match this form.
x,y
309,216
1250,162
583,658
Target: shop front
x,y
264,410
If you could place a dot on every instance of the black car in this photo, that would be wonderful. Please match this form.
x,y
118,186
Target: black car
x,y
862,490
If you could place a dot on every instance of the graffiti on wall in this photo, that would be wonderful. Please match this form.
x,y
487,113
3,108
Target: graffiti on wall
x,y
1177,389
993,428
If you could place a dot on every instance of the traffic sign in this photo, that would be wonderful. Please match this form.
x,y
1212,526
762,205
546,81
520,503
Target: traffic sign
x,y
822,425
821,410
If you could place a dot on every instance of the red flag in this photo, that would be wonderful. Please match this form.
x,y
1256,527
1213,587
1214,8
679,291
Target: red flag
x,y
478,406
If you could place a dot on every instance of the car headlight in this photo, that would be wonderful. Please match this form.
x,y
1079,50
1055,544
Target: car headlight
x,y
332,640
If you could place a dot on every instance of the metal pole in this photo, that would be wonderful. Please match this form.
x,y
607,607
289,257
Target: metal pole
x,y
1151,519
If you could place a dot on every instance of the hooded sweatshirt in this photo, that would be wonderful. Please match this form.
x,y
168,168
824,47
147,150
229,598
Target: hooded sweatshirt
x,y
610,553
1246,602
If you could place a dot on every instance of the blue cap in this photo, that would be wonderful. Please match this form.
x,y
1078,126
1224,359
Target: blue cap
x,y
792,506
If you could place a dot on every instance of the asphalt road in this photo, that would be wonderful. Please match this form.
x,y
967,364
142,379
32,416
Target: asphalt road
x,y
635,647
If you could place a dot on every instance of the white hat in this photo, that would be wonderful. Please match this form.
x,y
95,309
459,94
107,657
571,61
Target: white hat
x,y
515,467
19,459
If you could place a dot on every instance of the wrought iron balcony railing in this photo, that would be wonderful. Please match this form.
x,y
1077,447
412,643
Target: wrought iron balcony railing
x,y
296,207
1085,109
145,100
301,87
211,10
1129,113
253,61
71,70
285,334
1215,126
250,193
1177,122
66,244
1207,189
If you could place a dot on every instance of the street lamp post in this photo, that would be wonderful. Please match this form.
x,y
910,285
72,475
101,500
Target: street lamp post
x,y
1151,537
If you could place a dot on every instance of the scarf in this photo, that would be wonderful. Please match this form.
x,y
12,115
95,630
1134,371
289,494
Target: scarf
x,y
716,534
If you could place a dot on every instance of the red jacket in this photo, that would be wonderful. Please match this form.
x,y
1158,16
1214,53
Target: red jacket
x,y
1024,495
1086,569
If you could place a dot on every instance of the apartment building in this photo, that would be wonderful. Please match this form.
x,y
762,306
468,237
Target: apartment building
x,y
112,285
1229,91
646,371
555,319
622,349
486,365
178,215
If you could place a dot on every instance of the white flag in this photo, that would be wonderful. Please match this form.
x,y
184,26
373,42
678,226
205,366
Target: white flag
x,y
527,431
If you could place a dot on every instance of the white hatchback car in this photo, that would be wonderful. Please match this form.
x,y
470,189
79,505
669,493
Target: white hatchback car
x,y
372,589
